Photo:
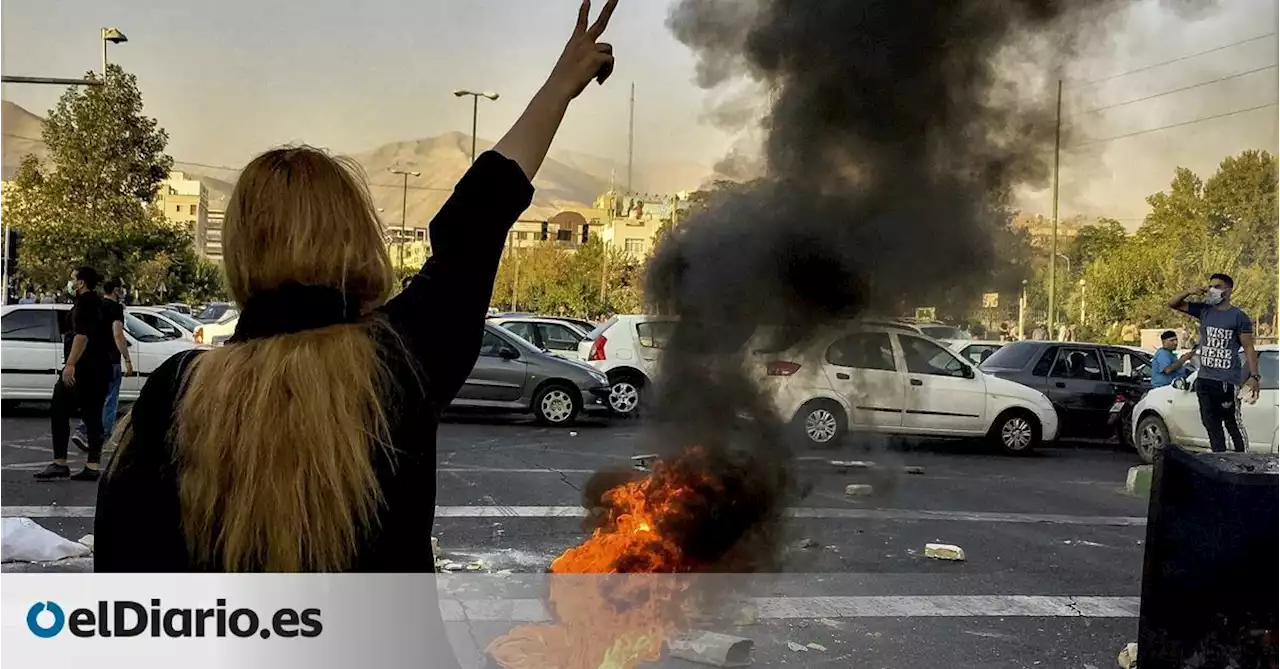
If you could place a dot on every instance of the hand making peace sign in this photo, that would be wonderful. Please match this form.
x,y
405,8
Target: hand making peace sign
x,y
584,57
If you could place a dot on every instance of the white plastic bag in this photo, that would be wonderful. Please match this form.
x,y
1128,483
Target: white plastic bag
x,y
22,540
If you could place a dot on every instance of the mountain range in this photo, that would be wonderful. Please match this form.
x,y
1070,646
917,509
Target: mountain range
x,y
567,178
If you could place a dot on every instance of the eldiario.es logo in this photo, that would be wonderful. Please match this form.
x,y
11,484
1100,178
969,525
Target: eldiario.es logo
x,y
124,618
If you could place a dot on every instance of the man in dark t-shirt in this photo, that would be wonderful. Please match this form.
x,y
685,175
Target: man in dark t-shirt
x,y
1226,341
113,316
84,380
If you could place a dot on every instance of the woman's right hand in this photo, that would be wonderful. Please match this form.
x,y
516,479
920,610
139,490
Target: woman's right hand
x,y
584,57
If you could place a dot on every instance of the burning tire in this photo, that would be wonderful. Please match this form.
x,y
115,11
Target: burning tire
x,y
557,405
1017,432
625,395
821,423
1153,435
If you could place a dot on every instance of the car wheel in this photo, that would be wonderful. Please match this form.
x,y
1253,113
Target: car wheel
x,y
556,405
624,396
821,423
1153,435
1017,432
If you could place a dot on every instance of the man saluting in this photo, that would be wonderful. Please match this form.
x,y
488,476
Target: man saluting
x,y
1224,330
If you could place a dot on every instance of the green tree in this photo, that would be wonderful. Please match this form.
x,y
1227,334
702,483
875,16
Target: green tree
x,y
93,203
1094,241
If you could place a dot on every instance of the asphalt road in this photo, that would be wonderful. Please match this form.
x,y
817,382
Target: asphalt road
x,y
1054,545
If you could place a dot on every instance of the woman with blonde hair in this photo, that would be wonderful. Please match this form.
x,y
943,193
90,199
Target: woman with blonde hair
x,y
307,442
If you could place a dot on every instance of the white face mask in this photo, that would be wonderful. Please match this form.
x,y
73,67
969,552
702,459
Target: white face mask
x,y
71,287
1214,296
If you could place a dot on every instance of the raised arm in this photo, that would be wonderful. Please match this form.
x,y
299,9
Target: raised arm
x,y
1180,303
441,312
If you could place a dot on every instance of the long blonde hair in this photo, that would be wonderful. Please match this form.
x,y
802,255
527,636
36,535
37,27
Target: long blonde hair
x,y
277,437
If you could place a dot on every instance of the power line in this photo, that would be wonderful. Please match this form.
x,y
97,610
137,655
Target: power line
x,y
1174,60
1171,92
1172,125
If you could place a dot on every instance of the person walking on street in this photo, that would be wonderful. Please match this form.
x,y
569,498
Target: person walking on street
x,y
1039,334
84,380
113,314
1166,367
1224,331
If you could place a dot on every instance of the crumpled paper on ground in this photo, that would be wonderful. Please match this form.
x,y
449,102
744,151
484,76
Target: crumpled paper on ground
x,y
22,540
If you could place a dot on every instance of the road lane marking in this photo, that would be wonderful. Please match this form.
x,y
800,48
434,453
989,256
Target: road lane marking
x,y
797,608
499,511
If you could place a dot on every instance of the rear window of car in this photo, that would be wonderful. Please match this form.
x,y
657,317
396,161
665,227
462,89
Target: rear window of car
x,y
1011,356
595,334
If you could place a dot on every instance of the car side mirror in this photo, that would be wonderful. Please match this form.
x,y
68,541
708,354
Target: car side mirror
x,y
1181,384
967,371
508,353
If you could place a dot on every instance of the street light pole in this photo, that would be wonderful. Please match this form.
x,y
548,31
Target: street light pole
x,y
1053,263
475,112
404,208
114,36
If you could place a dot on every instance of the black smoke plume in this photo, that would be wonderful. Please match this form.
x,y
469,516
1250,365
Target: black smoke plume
x,y
893,128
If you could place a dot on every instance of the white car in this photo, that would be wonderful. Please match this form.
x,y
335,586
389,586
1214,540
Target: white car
x,y
627,349
882,379
557,337
219,319
1171,414
975,351
170,323
31,350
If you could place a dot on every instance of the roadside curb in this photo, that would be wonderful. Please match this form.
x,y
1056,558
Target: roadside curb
x,y
1138,483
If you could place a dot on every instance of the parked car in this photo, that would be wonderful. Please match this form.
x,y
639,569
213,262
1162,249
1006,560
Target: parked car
x,y
1093,387
976,352
626,349
217,312
32,349
585,326
948,334
514,375
559,338
872,378
1171,414
172,324
178,307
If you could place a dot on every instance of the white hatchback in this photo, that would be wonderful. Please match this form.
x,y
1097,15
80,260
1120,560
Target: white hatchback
x,y
31,351
627,350
1171,414
887,380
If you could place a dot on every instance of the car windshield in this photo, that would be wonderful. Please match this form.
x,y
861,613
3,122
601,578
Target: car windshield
x,y
944,332
214,312
1011,356
141,331
184,320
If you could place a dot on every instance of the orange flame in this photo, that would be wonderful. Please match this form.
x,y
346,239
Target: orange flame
x,y
617,622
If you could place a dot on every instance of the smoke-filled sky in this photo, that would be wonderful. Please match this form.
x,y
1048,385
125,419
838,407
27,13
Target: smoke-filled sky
x,y
231,78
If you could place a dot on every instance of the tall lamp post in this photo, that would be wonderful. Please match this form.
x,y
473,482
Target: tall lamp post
x,y
1082,320
475,112
404,206
114,36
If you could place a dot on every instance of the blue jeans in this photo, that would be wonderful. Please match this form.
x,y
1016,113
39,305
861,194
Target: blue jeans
x,y
109,407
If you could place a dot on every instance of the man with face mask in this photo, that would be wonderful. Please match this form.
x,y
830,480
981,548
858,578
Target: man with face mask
x,y
84,381
1224,330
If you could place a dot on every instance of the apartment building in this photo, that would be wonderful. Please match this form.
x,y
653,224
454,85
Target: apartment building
x,y
212,248
185,201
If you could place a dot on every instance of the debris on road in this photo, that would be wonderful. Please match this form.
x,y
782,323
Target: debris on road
x,y
86,541
643,462
1129,656
573,434
816,646
913,470
944,552
24,540
797,647
1138,482
452,566
845,465
745,614
475,566
435,547
712,648
807,543
858,490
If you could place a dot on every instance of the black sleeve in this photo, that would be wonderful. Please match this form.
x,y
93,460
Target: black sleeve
x,y
115,311
1196,309
137,526
86,318
441,313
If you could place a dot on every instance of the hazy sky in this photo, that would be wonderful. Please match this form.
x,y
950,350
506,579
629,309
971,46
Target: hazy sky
x,y
230,78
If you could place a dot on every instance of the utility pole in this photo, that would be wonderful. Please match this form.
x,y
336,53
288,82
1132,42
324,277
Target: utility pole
x,y
404,208
475,113
631,142
1053,251
604,248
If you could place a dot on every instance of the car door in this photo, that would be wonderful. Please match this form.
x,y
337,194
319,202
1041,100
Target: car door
x,y
1129,372
559,340
163,325
943,394
1080,391
31,354
496,377
863,369
1260,417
